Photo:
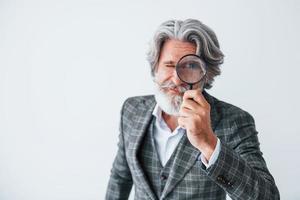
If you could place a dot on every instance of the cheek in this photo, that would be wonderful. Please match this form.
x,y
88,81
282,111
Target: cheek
x,y
163,74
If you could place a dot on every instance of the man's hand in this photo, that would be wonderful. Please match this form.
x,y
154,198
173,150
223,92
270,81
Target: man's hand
x,y
194,116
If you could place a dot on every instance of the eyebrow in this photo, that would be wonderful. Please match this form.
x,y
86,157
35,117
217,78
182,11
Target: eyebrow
x,y
169,62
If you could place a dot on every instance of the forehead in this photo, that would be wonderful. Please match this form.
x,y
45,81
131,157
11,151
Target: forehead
x,y
173,49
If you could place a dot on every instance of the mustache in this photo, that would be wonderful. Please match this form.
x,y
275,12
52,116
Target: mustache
x,y
171,85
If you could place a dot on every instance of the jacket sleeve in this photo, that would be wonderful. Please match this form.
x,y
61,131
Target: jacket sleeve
x,y
240,168
120,182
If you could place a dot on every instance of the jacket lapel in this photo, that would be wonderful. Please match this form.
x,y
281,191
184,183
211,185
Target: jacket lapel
x,y
141,121
184,159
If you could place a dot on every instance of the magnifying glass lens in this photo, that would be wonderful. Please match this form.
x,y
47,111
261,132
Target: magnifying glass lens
x,y
190,69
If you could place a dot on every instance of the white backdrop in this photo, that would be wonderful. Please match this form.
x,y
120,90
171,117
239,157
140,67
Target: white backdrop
x,y
66,66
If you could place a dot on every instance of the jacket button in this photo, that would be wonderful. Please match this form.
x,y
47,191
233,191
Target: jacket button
x,y
221,179
163,177
230,184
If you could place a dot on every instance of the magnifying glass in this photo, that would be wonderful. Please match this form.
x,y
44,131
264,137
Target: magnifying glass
x,y
191,69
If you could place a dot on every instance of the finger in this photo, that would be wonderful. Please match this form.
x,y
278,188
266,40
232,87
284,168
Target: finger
x,y
197,96
185,112
190,104
182,122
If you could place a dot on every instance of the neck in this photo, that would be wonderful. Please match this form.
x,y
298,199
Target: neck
x,y
171,120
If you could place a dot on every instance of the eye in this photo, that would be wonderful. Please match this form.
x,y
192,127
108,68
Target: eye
x,y
169,65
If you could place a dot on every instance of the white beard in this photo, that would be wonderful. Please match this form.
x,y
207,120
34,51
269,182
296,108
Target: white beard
x,y
170,104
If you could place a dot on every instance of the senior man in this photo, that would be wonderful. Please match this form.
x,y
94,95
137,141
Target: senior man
x,y
186,144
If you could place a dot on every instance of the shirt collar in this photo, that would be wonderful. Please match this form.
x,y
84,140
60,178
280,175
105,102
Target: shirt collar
x,y
157,112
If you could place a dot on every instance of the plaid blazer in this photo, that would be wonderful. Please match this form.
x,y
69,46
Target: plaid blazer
x,y
240,170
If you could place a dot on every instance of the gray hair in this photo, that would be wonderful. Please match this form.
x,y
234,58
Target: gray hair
x,y
194,31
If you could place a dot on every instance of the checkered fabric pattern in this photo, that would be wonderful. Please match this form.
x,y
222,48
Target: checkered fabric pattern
x,y
240,170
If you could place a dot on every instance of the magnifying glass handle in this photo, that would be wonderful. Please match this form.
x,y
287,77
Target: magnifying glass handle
x,y
190,86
